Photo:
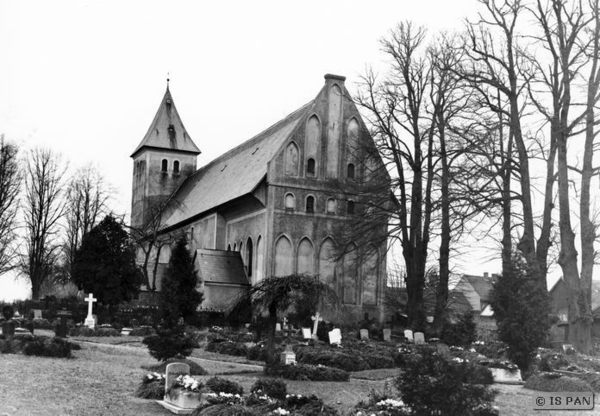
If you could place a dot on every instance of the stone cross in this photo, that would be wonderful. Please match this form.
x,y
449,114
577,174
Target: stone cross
x,y
90,322
317,318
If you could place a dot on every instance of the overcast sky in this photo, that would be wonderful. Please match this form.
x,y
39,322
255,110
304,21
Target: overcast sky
x,y
85,78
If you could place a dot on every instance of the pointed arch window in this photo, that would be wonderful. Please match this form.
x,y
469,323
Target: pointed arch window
x,y
310,204
350,172
164,166
176,167
249,256
311,167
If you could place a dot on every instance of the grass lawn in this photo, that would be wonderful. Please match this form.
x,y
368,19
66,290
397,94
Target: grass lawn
x,y
102,378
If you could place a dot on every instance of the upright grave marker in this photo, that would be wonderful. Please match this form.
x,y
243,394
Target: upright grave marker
x,y
37,314
180,403
408,334
387,334
306,333
90,322
419,338
335,336
364,334
317,318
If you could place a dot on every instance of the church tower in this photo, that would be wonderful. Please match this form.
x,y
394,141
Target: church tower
x,y
163,159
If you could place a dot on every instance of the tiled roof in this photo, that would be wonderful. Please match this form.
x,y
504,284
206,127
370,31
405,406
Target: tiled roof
x,y
218,266
233,174
482,285
167,130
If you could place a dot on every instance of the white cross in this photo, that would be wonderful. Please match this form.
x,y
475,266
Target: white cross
x,y
317,318
90,299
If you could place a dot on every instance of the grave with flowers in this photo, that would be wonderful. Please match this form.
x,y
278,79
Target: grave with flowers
x,y
182,392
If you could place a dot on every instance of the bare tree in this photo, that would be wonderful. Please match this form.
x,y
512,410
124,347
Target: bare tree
x,y
10,184
86,203
43,207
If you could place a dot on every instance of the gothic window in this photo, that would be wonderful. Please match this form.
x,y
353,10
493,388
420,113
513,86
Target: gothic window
x,y
331,205
164,166
350,207
310,204
350,171
260,258
310,167
192,234
306,257
283,257
229,247
313,137
249,254
176,167
290,202
291,160
327,262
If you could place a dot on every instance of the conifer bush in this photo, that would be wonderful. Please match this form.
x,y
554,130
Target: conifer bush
x,y
274,388
223,385
306,372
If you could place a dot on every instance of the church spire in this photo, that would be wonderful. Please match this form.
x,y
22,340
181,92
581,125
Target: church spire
x,y
167,130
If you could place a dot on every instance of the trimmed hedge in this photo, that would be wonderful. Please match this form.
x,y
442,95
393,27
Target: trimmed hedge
x,y
556,382
223,385
84,331
306,372
227,347
195,368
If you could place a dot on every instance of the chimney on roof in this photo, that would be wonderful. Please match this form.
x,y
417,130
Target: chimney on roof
x,y
331,78
486,275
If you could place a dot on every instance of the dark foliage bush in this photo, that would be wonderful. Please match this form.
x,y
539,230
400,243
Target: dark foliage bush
x,y
520,302
152,391
6,345
84,331
552,361
556,382
593,379
461,332
274,388
222,385
261,353
195,368
48,347
308,406
227,347
306,372
170,343
331,358
42,323
493,350
432,385
479,374
142,331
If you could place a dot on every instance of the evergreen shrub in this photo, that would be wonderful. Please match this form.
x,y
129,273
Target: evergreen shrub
x,y
274,388
170,343
223,385
433,385
306,372
556,382
195,368
461,332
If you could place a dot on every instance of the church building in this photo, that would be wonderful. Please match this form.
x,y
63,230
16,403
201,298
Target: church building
x,y
280,203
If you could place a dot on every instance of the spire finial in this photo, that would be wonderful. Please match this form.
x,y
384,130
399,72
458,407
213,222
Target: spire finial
x,y
168,79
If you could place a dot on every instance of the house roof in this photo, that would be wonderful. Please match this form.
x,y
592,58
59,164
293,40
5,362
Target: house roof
x,y
167,131
219,266
233,174
482,285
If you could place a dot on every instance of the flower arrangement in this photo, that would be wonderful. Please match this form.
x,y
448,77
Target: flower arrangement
x,y
224,398
187,383
154,378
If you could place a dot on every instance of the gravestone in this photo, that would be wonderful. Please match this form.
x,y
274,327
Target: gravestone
x,y
306,333
317,318
181,404
8,328
90,322
364,334
278,327
387,334
335,336
419,338
37,314
61,328
288,356
408,334
125,331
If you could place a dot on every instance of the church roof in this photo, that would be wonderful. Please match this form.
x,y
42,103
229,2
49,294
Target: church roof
x,y
233,174
167,130
219,266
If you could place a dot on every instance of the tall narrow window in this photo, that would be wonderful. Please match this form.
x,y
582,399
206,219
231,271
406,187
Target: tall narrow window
x,y
331,206
290,202
249,256
164,166
350,171
176,167
350,207
310,204
310,167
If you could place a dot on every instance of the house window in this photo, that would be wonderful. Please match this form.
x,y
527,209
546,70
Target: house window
x,y
350,207
176,167
351,171
310,204
164,166
310,167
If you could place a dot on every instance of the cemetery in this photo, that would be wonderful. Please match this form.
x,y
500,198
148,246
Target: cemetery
x,y
323,368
